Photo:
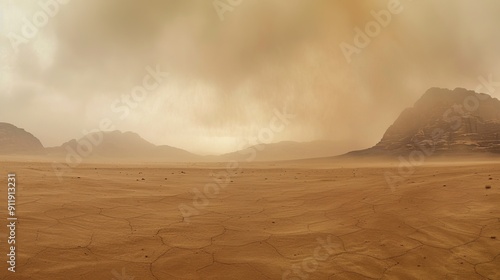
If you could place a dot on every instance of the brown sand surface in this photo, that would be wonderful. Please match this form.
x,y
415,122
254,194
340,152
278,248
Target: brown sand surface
x,y
106,222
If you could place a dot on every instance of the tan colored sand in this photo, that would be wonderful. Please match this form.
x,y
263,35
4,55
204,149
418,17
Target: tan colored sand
x,y
437,224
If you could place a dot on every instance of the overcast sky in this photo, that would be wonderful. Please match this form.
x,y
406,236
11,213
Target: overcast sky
x,y
227,77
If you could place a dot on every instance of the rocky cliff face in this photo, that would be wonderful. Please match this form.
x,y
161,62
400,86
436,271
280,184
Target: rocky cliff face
x,y
445,121
14,140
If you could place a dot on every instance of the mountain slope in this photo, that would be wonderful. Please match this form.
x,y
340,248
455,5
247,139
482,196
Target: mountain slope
x,y
14,140
444,121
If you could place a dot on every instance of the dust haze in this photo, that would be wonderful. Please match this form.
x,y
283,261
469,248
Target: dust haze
x,y
227,77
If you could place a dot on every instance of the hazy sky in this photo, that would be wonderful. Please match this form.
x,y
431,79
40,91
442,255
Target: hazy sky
x,y
227,77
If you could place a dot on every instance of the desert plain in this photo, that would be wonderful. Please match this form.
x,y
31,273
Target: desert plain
x,y
289,220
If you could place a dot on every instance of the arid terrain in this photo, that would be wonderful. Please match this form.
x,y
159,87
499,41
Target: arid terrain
x,y
249,140
314,220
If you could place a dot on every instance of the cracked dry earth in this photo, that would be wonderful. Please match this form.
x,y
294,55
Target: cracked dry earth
x,y
105,222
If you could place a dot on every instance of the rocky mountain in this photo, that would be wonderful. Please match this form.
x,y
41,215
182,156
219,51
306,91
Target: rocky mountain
x,y
14,140
444,121
120,145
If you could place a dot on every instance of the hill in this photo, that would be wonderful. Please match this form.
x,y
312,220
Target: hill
x,y
121,145
14,141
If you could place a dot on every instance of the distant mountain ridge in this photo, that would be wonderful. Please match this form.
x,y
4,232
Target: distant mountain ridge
x,y
121,145
287,150
442,121
130,146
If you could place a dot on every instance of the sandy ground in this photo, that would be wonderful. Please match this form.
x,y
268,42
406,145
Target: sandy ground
x,y
269,222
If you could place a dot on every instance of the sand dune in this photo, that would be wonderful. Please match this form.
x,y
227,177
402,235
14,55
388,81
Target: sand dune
x,y
106,222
